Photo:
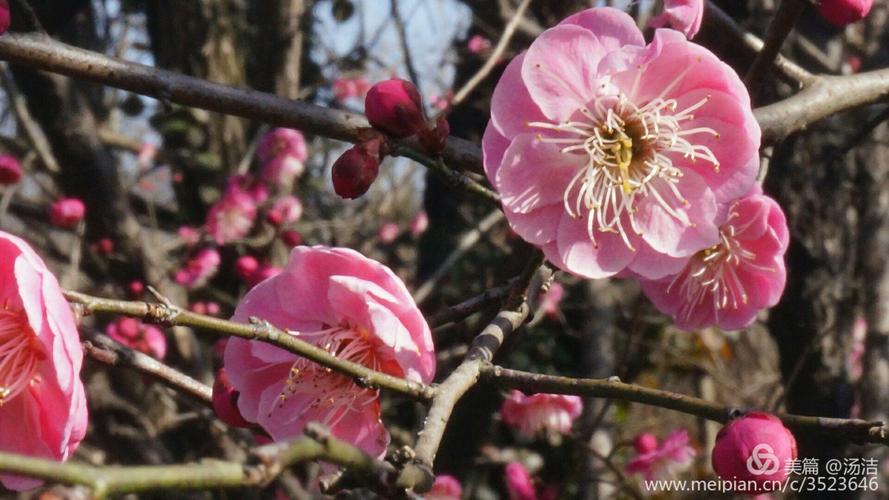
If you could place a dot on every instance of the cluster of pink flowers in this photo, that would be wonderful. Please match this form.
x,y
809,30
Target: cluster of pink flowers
x,y
547,413
137,335
662,460
42,401
618,158
351,306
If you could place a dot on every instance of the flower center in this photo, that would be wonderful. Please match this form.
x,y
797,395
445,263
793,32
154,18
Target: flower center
x,y
332,392
712,273
20,354
628,149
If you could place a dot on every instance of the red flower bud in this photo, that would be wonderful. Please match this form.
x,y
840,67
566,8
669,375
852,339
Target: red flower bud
x,y
66,213
10,169
5,18
225,401
842,12
357,168
136,288
291,237
754,448
645,443
245,266
394,107
434,139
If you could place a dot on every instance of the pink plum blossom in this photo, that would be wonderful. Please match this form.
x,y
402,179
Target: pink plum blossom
x,y
681,15
420,223
10,168
854,362
729,283
530,415
199,268
285,210
519,483
136,287
843,12
614,156
350,87
205,307
445,487
754,448
67,213
388,232
139,336
550,301
225,401
189,235
5,18
394,107
283,153
232,217
355,308
666,460
42,401
245,266
478,44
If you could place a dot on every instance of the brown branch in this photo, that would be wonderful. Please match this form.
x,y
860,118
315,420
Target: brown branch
x,y
470,306
105,350
165,314
418,474
855,430
782,24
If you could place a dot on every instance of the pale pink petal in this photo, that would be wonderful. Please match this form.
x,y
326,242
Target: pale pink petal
x,y
613,27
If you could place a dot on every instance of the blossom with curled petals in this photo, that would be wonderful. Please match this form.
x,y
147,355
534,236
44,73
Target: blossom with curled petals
x,y
611,155
540,412
682,15
349,305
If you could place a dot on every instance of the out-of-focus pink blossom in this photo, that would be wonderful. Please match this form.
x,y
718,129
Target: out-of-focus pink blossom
x,y
645,443
232,217
262,273
730,282
754,449
350,87
478,44
10,168
139,336
388,233
550,301
205,307
283,153
519,483
854,363
189,235
660,136
285,210
683,15
105,246
852,65
136,288
225,401
199,268
67,213
146,156
673,456
842,12
441,102
245,266
530,415
249,185
394,107
42,402
5,18
291,237
445,487
420,223
349,305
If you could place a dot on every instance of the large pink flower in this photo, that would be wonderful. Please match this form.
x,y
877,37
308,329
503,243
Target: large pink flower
x,y
611,155
683,15
232,216
664,461
354,307
729,283
540,412
42,402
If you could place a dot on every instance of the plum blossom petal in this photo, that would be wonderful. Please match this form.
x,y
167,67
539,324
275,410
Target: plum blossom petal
x,y
682,15
551,413
668,459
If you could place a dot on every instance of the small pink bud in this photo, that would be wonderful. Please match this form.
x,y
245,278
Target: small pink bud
x,y
136,288
842,12
136,335
519,482
4,16
66,213
245,266
285,210
754,448
394,107
445,487
105,246
433,140
388,233
645,443
420,223
291,237
355,170
478,44
10,168
225,401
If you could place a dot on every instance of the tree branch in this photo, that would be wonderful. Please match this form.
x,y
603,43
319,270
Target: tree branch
x,y
781,26
856,430
258,330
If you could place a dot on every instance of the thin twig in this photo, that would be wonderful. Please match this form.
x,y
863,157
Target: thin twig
x,y
855,430
494,58
258,330
470,306
781,26
401,29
